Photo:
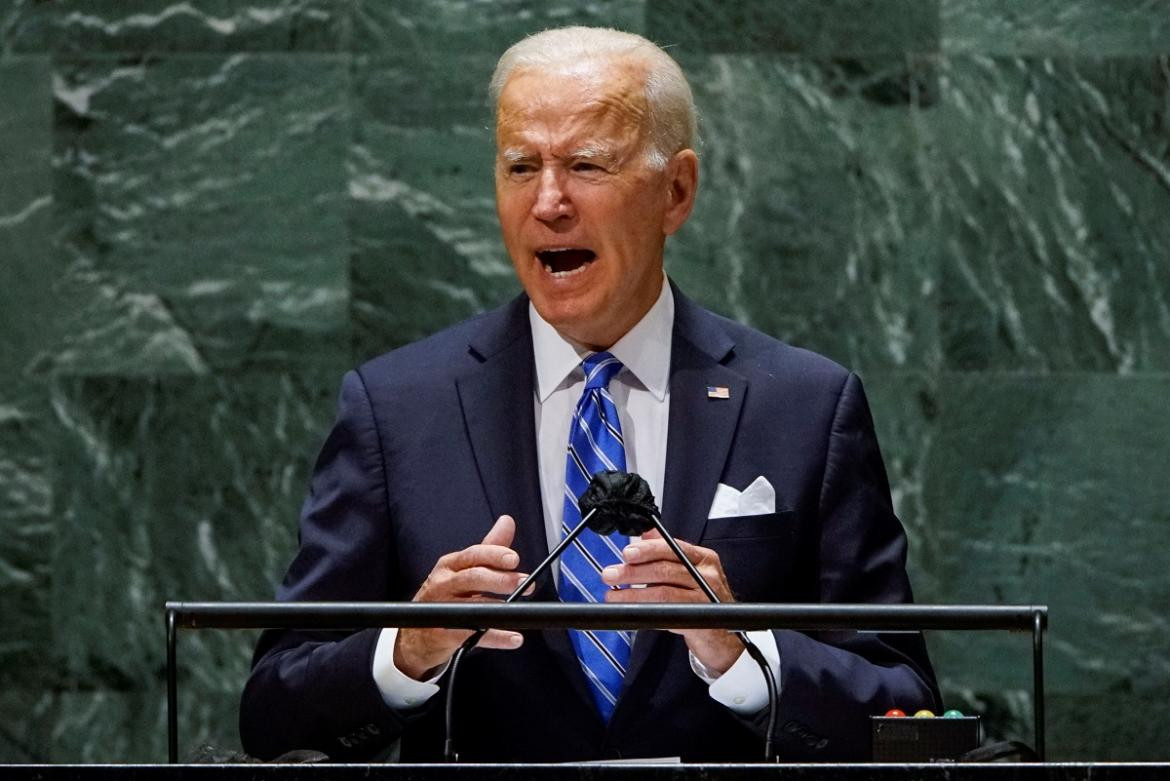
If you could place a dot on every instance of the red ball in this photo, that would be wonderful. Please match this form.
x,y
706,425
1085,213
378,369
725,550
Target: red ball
x,y
894,713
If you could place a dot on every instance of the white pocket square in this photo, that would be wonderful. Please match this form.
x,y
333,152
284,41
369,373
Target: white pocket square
x,y
759,498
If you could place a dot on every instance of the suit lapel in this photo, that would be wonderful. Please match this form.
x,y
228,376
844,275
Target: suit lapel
x,y
496,398
699,435
497,402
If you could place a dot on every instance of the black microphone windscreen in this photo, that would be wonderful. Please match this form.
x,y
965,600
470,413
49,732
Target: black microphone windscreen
x,y
623,501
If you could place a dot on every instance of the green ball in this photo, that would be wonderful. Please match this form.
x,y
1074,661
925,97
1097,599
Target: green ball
x,y
953,714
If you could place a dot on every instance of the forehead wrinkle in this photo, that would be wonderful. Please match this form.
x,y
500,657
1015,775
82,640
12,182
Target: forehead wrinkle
x,y
610,118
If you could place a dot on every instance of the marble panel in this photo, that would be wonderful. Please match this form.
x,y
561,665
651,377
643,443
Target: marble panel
x,y
201,206
847,28
191,26
1139,735
26,274
426,243
1094,28
814,214
26,535
905,409
26,722
170,489
27,267
104,726
1041,490
1054,195
426,29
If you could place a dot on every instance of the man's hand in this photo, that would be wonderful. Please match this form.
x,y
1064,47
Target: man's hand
x,y
472,575
652,562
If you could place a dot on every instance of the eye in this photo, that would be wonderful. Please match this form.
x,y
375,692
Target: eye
x,y
587,167
519,169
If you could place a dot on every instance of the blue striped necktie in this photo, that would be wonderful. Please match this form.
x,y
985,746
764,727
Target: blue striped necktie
x,y
595,444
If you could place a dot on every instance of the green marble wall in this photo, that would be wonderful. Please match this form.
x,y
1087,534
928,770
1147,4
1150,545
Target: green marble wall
x,y
210,209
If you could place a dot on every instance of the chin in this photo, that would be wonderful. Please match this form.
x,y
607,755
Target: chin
x,y
571,321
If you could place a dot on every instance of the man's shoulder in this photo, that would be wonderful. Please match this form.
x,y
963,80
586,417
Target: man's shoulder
x,y
760,356
447,354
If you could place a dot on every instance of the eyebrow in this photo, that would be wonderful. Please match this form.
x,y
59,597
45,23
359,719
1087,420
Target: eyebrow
x,y
594,151
591,151
514,155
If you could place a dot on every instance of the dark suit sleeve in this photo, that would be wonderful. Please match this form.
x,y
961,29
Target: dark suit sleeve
x,y
832,682
316,690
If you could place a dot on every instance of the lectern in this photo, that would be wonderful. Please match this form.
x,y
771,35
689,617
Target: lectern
x,y
554,615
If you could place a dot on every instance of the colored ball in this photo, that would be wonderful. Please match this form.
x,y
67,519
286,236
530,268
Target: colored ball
x,y
953,714
894,713
924,714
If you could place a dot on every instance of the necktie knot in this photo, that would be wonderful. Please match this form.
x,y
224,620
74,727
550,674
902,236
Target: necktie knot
x,y
600,368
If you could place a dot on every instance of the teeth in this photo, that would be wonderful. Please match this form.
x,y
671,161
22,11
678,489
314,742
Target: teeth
x,y
563,274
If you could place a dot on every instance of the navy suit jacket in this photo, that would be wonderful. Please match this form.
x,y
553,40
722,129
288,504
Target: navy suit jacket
x,y
435,440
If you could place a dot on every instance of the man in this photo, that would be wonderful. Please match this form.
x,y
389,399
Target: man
x,y
445,477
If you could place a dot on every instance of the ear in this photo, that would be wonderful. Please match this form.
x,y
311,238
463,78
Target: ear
x,y
682,182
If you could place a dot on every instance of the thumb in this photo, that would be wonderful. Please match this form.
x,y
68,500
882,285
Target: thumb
x,y
653,534
501,532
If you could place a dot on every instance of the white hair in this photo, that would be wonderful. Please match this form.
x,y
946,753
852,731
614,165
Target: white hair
x,y
672,123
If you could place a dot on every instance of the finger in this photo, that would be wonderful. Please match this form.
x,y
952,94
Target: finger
x,y
480,555
501,639
474,581
652,573
655,594
656,549
502,532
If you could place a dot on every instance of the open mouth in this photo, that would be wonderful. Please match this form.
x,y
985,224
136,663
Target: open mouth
x,y
567,261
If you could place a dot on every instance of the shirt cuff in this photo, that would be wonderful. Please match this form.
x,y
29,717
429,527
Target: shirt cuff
x,y
742,688
399,690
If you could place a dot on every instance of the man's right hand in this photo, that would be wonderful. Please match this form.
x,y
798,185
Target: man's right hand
x,y
473,574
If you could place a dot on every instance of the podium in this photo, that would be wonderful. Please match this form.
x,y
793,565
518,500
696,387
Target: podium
x,y
1031,619
937,772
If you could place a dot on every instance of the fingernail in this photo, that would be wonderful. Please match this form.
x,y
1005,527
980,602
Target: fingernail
x,y
511,559
631,552
515,640
609,573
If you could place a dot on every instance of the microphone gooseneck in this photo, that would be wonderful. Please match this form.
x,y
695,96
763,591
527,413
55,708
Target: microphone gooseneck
x,y
449,752
623,501
616,501
751,648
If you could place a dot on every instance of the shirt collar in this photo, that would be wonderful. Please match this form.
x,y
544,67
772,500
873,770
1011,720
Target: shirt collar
x,y
644,351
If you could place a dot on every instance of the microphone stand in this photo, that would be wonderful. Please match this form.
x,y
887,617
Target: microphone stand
x,y
753,651
751,648
449,752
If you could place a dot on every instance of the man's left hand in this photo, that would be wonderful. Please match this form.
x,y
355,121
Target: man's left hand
x,y
651,562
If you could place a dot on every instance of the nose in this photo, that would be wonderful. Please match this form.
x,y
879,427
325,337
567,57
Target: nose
x,y
552,201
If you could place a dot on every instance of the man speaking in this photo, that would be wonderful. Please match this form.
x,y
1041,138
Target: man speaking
x,y
455,465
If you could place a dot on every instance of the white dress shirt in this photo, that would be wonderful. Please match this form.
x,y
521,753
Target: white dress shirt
x,y
641,393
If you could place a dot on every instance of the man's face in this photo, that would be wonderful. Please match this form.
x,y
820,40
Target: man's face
x,y
583,214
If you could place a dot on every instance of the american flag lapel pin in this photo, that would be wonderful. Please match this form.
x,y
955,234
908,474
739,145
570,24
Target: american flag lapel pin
x,y
718,392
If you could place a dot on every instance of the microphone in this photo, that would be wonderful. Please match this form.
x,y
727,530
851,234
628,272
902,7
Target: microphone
x,y
616,501
622,501
610,502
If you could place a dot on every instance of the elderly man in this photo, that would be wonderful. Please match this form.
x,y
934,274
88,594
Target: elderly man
x,y
455,465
